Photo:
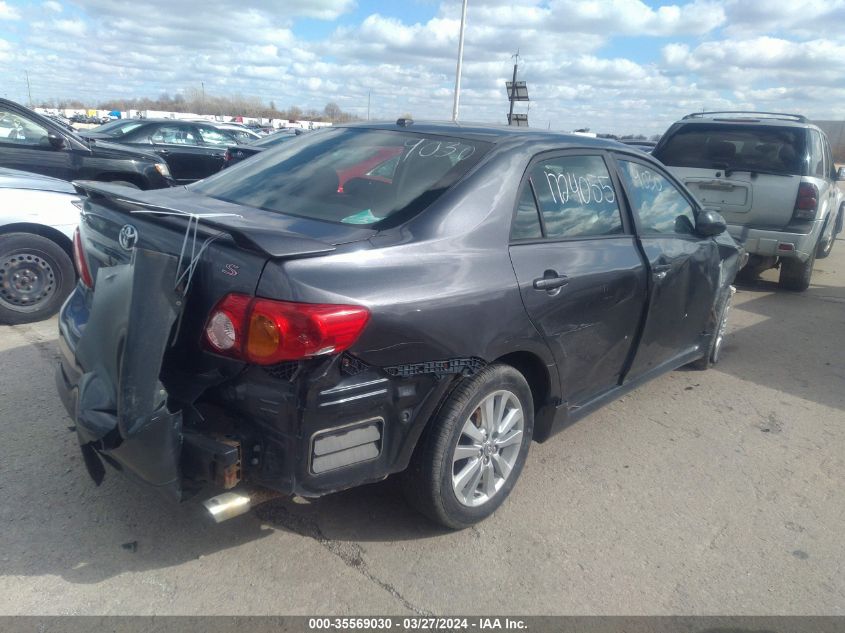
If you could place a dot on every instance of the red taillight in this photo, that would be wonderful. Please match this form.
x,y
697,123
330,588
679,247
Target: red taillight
x,y
807,202
79,259
227,156
265,332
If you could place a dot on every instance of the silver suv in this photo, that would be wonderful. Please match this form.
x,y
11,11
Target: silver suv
x,y
771,176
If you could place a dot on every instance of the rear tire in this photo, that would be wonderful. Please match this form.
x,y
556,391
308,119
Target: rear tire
x,y
795,275
36,276
470,457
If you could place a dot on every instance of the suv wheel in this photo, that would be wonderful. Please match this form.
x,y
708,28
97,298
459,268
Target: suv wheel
x,y
795,275
470,458
36,276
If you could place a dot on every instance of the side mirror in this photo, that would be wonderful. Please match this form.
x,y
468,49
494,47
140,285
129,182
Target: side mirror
x,y
840,173
56,141
710,223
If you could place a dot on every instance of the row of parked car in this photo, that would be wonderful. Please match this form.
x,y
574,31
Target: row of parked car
x,y
397,297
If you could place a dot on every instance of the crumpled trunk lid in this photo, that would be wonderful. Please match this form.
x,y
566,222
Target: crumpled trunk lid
x,y
139,345
122,404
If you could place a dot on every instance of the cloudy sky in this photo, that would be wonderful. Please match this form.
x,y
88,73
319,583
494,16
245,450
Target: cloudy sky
x,y
610,65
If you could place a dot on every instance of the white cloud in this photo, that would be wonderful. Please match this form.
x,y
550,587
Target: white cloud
x,y
8,12
52,5
633,17
72,28
575,55
807,18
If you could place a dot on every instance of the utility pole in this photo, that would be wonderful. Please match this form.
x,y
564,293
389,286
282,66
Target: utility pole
x,y
513,91
369,94
28,88
202,103
460,62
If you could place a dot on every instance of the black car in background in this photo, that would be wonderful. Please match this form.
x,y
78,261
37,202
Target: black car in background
x,y
192,149
237,153
491,287
35,143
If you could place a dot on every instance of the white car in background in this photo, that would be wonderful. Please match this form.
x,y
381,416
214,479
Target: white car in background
x,y
38,216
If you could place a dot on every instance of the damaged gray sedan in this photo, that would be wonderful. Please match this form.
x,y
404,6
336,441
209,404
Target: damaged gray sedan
x,y
367,300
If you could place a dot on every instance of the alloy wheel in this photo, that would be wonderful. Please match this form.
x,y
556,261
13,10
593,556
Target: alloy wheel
x,y
487,448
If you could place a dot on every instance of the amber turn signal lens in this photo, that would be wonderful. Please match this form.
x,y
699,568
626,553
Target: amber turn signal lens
x,y
264,336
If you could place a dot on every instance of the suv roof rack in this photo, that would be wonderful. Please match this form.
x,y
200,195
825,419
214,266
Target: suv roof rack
x,y
800,118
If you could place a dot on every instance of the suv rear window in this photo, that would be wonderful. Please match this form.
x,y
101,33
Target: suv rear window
x,y
348,175
756,148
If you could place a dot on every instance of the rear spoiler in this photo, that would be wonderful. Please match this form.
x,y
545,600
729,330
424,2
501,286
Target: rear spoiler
x,y
268,242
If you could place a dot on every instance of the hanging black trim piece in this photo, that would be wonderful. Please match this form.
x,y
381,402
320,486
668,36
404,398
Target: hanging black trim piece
x,y
462,366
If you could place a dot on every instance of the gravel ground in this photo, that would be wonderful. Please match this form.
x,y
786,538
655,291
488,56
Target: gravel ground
x,y
715,492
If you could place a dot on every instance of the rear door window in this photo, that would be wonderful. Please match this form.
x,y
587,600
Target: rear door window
x,y
734,146
526,222
816,156
174,135
658,205
18,130
828,156
575,195
215,137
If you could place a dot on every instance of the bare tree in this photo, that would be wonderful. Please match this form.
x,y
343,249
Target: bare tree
x,y
333,111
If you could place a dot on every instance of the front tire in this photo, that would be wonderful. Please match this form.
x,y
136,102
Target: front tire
x,y
470,457
36,276
717,338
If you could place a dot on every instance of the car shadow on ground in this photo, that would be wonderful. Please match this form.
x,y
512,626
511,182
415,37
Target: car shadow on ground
x,y
792,342
58,523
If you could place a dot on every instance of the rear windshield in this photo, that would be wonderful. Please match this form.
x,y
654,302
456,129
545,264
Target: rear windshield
x,y
757,148
350,176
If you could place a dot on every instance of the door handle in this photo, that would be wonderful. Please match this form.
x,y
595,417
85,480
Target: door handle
x,y
550,282
162,151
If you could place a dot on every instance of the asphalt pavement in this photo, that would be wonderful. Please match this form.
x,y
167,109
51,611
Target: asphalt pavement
x,y
717,492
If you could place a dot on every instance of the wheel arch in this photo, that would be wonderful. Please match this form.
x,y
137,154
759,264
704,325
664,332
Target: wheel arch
x,y
52,234
539,378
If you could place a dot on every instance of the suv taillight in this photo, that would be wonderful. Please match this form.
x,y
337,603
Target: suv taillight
x,y
79,259
807,202
265,332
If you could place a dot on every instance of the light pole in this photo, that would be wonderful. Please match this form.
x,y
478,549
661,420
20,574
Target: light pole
x,y
460,62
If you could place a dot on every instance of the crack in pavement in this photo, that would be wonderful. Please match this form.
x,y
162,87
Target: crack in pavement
x,y
350,553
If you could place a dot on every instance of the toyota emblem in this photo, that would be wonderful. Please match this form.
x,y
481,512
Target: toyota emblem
x,y
128,237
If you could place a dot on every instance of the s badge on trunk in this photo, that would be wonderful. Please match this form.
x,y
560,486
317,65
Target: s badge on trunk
x,y
128,237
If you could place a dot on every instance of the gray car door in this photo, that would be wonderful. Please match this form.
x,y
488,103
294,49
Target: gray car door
x,y
683,266
581,277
